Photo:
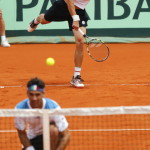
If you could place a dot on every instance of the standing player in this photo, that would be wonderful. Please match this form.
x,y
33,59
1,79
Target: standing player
x,y
74,12
4,41
33,140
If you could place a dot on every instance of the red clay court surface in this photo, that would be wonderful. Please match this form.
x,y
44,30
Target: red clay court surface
x,y
122,80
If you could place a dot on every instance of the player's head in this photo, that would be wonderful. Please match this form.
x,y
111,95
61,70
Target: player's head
x,y
36,81
35,89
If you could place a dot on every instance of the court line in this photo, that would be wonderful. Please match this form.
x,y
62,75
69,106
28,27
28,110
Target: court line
x,y
87,130
103,84
7,86
101,130
59,85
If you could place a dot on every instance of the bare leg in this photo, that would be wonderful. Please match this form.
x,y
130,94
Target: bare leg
x,y
79,51
39,20
54,137
78,58
2,24
4,42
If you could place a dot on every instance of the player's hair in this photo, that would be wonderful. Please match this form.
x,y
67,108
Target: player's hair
x,y
36,81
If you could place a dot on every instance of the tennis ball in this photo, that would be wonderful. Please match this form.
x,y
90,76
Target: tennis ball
x,y
50,61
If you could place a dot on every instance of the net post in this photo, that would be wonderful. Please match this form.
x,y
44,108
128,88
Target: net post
x,y
46,130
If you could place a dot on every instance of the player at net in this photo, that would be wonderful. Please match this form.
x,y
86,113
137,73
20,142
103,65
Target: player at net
x,y
103,128
33,139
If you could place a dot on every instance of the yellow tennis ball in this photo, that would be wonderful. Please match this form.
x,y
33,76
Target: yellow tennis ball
x,y
50,61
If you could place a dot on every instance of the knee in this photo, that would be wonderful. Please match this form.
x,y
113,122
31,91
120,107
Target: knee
x,y
80,45
54,131
41,19
80,42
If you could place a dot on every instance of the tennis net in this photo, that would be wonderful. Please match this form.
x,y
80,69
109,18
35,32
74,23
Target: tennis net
x,y
100,128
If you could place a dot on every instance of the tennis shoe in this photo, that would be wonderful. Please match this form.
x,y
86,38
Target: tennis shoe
x,y
5,43
32,26
77,81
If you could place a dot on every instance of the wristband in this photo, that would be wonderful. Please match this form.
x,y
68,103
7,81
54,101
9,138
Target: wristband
x,y
75,18
30,148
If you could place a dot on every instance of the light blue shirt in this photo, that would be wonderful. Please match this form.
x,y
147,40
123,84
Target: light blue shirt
x,y
35,126
47,104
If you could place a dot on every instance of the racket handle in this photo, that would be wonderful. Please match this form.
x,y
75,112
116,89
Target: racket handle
x,y
81,32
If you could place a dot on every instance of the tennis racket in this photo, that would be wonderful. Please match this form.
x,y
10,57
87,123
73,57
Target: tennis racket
x,y
96,49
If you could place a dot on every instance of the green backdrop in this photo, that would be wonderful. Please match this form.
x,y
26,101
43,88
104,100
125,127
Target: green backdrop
x,y
110,20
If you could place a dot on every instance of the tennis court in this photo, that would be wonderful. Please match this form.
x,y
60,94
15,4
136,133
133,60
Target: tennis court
x,y
122,80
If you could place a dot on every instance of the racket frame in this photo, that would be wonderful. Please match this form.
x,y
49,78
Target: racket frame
x,y
87,45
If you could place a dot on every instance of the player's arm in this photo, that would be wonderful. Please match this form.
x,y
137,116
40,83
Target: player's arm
x,y
21,129
24,140
65,138
75,17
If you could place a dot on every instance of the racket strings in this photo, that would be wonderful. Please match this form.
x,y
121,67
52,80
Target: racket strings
x,y
98,50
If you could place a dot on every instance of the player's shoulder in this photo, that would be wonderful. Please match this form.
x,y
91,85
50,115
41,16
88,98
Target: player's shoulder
x,y
51,104
23,104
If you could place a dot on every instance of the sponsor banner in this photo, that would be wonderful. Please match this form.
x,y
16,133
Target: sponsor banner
x,y
104,15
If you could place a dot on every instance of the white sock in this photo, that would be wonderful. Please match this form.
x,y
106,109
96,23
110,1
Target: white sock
x,y
77,71
35,21
3,38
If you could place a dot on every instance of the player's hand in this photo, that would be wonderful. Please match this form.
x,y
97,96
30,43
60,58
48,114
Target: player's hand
x,y
30,148
75,25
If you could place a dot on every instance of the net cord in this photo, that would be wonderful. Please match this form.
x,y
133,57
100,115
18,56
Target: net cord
x,y
92,111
